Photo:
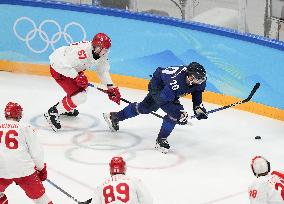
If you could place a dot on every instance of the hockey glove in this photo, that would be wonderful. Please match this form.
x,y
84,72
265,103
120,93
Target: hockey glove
x,y
3,199
183,118
82,80
114,94
200,112
42,174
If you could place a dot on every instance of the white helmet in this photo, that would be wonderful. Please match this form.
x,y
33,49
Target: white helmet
x,y
260,165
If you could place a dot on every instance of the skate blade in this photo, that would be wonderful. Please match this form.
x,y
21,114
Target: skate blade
x,y
107,119
50,123
162,149
66,114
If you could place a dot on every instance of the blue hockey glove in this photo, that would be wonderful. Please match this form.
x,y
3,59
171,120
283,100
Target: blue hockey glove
x,y
200,112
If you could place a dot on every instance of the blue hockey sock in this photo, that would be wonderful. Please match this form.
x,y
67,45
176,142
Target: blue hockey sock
x,y
128,112
167,127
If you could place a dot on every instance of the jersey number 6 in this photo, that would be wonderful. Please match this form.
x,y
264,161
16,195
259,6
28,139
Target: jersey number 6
x,y
11,142
122,189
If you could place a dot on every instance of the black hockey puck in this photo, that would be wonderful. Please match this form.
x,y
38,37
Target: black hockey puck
x,y
257,137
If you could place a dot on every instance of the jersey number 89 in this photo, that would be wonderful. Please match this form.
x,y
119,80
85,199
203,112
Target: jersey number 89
x,y
122,189
10,141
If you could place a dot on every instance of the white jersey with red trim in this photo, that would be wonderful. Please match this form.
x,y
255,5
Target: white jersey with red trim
x,y
20,150
267,189
69,60
120,189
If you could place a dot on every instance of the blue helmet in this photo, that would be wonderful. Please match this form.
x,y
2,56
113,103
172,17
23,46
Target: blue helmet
x,y
197,71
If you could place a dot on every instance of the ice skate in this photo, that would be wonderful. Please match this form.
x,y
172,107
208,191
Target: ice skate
x,y
72,113
162,145
112,121
52,118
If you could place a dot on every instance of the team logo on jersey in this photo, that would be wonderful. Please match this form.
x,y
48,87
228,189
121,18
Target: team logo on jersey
x,y
27,31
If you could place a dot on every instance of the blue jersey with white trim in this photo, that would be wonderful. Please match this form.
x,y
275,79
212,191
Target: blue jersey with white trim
x,y
171,81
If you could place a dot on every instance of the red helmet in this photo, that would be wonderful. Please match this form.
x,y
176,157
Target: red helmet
x,y
101,40
117,166
13,110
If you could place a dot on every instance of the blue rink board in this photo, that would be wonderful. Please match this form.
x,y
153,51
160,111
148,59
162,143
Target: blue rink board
x,y
141,42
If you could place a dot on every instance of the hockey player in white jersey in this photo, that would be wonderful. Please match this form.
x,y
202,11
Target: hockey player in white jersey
x,y
21,157
268,188
67,66
121,189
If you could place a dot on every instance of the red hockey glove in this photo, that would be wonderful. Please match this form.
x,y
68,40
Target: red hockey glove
x,y
4,199
114,94
82,80
42,174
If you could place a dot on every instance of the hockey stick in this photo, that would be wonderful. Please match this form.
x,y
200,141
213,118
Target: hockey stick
x,y
256,86
126,101
67,194
123,99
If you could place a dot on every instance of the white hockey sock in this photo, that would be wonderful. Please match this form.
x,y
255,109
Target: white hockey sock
x,y
42,200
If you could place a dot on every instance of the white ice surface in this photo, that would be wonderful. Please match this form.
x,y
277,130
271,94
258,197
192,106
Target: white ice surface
x,y
208,163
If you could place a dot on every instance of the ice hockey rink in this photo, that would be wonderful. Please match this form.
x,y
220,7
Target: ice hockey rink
x,y
209,162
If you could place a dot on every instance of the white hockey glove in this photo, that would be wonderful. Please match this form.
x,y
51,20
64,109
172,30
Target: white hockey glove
x,y
200,112
183,120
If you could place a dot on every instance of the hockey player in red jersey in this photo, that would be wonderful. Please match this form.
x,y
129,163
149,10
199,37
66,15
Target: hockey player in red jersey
x,y
21,159
268,188
67,66
120,188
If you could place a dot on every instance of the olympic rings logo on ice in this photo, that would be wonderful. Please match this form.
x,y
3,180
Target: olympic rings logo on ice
x,y
43,34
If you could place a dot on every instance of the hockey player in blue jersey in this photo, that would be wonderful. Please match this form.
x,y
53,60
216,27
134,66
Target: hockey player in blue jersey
x,y
165,88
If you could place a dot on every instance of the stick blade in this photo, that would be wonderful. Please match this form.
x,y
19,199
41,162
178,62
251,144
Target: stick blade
x,y
256,86
86,202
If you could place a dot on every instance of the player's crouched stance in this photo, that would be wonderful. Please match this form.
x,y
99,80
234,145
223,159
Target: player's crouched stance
x,y
67,66
268,188
121,188
165,88
21,159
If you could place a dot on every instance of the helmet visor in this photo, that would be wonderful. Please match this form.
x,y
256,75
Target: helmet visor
x,y
100,51
196,80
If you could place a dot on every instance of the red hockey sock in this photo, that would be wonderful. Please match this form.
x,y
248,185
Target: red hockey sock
x,y
68,103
